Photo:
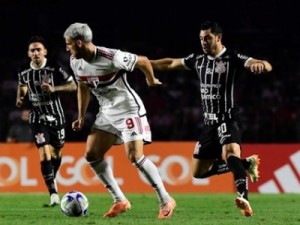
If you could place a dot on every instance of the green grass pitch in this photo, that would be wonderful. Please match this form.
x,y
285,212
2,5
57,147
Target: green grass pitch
x,y
198,209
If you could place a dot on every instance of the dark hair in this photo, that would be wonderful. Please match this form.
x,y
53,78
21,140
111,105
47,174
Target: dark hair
x,y
214,26
39,39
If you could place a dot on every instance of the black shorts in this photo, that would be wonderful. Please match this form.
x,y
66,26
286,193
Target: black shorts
x,y
43,135
214,137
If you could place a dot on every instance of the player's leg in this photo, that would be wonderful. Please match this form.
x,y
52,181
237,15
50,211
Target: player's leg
x,y
219,166
98,143
48,173
134,150
207,157
232,152
137,133
56,158
57,141
230,135
42,139
203,168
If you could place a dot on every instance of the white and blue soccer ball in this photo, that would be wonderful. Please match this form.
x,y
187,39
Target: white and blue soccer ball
x,y
74,204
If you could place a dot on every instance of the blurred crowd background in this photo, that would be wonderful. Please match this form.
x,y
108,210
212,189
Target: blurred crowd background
x,y
263,29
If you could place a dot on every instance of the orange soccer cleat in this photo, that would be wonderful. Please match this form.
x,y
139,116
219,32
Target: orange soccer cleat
x,y
253,168
244,206
118,208
166,209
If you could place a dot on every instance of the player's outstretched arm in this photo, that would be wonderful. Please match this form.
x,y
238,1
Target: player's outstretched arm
x,y
145,66
167,64
257,66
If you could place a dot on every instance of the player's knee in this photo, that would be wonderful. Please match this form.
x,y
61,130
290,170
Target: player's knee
x,y
91,156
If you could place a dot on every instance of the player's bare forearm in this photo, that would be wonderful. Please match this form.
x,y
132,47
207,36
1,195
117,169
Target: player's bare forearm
x,y
68,87
83,99
21,93
167,64
145,66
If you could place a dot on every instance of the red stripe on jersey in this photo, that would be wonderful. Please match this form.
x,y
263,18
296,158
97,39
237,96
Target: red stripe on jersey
x,y
100,77
106,54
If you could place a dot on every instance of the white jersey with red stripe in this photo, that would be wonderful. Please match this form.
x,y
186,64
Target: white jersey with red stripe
x,y
106,77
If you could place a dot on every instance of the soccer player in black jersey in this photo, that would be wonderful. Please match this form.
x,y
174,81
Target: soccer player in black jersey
x,y
40,80
219,147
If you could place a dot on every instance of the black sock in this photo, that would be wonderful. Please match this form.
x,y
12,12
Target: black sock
x,y
48,174
246,164
240,178
56,164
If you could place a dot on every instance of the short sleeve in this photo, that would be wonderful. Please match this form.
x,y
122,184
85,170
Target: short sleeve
x,y
124,60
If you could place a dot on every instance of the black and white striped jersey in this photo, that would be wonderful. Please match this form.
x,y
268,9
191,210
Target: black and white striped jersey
x,y
46,107
217,77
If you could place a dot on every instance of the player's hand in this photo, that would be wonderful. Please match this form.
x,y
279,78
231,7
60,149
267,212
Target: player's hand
x,y
47,88
153,82
77,125
20,102
257,67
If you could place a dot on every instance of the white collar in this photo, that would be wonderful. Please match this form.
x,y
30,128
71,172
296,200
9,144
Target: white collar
x,y
37,68
220,53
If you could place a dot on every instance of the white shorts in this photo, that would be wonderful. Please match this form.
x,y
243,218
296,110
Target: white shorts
x,y
128,128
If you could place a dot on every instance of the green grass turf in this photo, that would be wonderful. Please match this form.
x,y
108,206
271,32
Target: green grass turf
x,y
198,209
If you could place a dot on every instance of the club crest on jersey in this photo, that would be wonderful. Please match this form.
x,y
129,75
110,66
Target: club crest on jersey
x,y
40,138
220,67
46,78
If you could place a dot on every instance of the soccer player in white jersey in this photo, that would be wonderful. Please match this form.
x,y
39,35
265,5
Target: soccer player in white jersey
x,y
121,117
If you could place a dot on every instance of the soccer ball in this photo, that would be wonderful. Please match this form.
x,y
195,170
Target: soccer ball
x,y
74,203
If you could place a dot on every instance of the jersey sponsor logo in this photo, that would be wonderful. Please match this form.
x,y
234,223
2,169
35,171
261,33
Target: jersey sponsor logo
x,y
210,85
210,116
34,97
37,103
241,56
26,71
50,118
49,68
127,59
204,90
47,118
210,97
209,71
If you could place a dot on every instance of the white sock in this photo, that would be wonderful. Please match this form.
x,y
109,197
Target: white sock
x,y
105,174
150,172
